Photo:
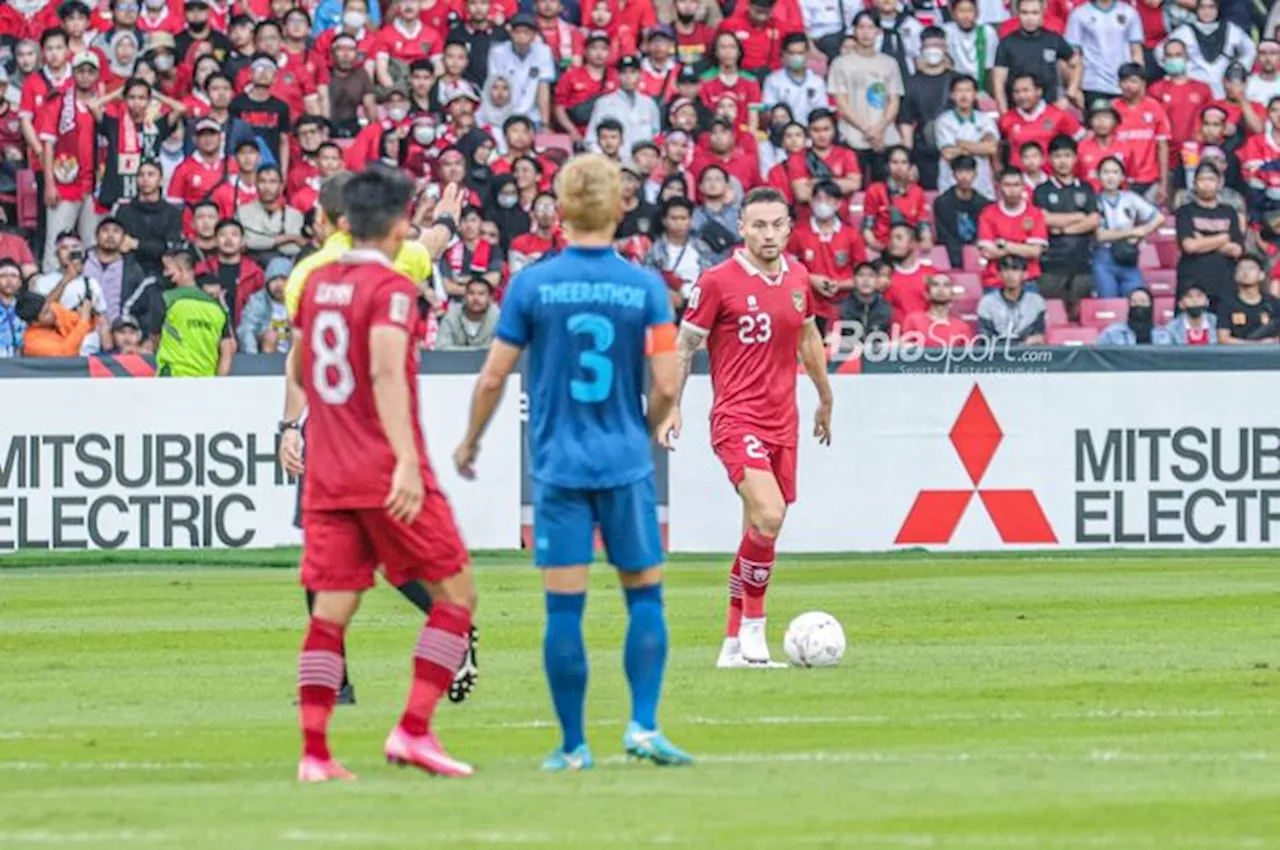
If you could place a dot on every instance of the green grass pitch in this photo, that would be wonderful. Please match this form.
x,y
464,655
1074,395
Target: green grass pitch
x,y
1087,702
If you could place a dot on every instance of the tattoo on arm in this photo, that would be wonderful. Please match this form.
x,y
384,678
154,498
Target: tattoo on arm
x,y
688,341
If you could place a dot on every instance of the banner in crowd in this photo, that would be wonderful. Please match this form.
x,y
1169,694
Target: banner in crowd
x,y
1010,461
185,464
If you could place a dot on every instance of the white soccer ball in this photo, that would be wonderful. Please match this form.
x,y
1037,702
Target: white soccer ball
x,y
814,639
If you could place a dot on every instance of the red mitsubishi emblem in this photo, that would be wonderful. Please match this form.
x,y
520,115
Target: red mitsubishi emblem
x,y
1016,513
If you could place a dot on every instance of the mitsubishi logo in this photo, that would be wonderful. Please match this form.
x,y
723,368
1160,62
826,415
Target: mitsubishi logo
x,y
1016,514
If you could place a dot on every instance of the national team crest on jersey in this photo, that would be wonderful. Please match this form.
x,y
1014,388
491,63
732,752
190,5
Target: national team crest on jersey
x,y
1081,197
797,299
1027,224
842,258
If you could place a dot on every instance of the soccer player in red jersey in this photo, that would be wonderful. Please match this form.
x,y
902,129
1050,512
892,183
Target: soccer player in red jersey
x,y
370,495
1011,227
755,311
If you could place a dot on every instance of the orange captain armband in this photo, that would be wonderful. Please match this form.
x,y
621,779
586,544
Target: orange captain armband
x,y
660,339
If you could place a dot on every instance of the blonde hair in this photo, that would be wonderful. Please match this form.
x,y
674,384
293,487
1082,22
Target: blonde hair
x,y
589,191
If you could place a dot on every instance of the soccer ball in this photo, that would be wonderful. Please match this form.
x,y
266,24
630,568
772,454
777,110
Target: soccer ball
x,y
814,639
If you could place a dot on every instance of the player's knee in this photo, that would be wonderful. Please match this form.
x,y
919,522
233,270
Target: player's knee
x,y
457,590
767,518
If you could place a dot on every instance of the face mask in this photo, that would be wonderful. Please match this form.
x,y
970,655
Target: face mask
x,y
824,211
163,62
933,55
796,61
354,20
1140,316
1206,29
508,201
1195,312
397,113
481,174
156,5
685,19
1175,65
424,134
775,136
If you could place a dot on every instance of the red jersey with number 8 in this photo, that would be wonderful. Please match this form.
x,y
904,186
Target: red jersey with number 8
x,y
349,461
754,323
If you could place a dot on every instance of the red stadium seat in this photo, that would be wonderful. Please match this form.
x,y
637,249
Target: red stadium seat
x,y
987,103
938,256
1055,313
972,259
818,65
28,200
966,291
855,203
1168,253
559,141
1161,281
1164,307
1071,335
1100,312
1148,256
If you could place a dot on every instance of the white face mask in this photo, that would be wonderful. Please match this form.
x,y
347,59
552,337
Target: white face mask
x,y
508,201
397,113
933,55
156,5
823,211
424,134
163,62
354,20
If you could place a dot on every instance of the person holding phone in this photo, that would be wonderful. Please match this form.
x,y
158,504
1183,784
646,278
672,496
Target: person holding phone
x,y
70,287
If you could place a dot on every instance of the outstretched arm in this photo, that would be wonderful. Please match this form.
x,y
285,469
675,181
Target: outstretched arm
x,y
813,355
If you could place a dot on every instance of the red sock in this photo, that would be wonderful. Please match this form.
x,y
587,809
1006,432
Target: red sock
x,y
320,669
734,622
438,655
755,554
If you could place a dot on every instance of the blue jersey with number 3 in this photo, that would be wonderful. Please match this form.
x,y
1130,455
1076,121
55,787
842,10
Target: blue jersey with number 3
x,y
583,317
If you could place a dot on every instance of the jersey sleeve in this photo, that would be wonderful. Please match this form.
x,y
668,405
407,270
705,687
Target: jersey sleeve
x,y
395,305
1039,234
514,323
658,303
704,303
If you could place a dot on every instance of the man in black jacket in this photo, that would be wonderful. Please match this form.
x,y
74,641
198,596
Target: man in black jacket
x,y
123,283
956,211
150,222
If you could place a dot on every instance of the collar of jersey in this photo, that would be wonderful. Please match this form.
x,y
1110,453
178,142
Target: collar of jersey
x,y
365,255
753,270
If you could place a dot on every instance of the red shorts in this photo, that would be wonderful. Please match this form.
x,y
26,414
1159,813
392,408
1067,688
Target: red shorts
x,y
342,549
739,449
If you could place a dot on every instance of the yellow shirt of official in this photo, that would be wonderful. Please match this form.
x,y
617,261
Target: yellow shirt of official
x,y
413,261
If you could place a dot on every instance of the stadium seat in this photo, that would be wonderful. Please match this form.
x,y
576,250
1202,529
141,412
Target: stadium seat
x,y
1055,313
1168,253
1071,335
855,203
972,259
938,256
1148,256
987,103
1100,312
560,141
28,200
1161,281
1163,308
818,65
966,291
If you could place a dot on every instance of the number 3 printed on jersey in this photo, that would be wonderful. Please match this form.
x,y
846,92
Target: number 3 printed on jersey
x,y
754,328
331,371
594,362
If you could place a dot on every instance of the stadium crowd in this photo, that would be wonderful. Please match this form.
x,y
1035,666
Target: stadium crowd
x,y
1047,172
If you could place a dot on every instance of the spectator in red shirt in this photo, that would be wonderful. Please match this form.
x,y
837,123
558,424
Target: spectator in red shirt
x,y
293,84
659,69
726,77
722,150
1011,227
528,248
239,275
12,146
157,16
909,272
1144,129
1102,144
403,41
760,32
564,39
830,249
238,186
68,130
172,79
581,86
1033,120
53,78
898,199
693,35
1181,96
823,161
1244,117
354,23
201,173
935,327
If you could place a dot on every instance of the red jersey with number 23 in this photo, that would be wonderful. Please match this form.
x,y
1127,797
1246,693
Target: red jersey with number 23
x,y
753,323
349,460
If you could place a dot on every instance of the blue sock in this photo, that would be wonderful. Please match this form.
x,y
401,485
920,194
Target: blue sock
x,y
645,655
565,657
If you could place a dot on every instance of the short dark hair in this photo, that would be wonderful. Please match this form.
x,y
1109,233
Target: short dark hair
x,y
677,202
828,187
229,222
932,32
1062,142
609,124
762,195
376,199
337,147
892,149
795,38
53,32
963,78
1015,173
151,163
263,24
1026,75
1251,257
10,263
136,82
1208,167
1026,146
195,208
332,191
964,162
311,121
513,120
820,113
218,75
267,167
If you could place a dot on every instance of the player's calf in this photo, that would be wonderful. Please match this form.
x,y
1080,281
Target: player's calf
x,y
320,668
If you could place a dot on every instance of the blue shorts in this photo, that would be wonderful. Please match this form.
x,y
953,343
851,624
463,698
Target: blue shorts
x,y
565,519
